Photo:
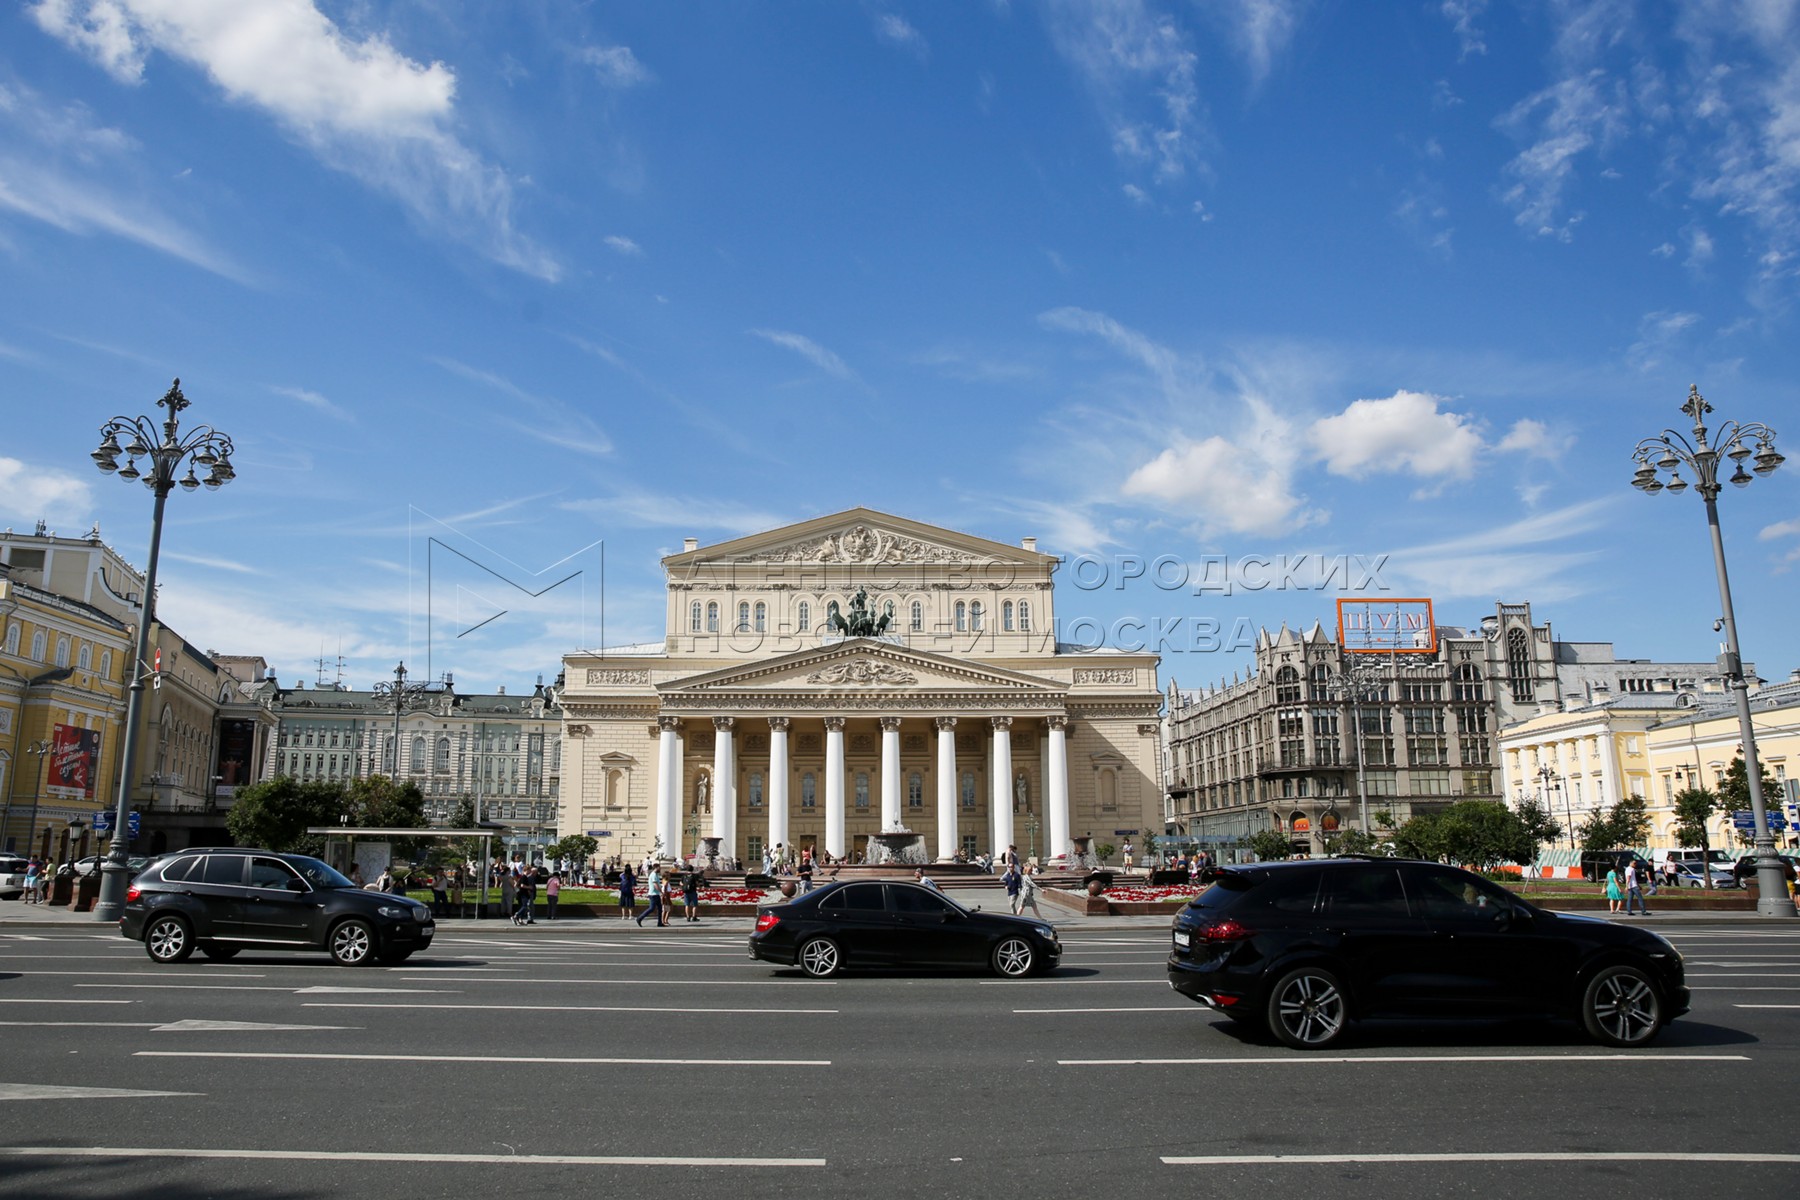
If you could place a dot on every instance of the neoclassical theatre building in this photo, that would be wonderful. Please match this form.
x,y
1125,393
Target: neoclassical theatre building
x,y
855,674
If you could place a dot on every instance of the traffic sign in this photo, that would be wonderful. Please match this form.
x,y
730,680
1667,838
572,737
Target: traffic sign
x,y
599,833
132,824
102,821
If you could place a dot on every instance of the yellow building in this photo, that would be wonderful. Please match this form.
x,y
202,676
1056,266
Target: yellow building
x,y
1697,746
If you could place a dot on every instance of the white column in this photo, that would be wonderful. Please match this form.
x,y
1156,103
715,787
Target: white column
x,y
778,781
668,783
1588,786
1056,789
675,831
834,786
946,789
724,822
890,772
1001,792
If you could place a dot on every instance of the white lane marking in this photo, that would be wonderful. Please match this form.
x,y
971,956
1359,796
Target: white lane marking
x,y
1231,1160
1742,975
27,937
1163,1009
223,974
1309,1059
12,1000
194,1025
1766,1006
686,983
1064,982
82,1024
372,1156
191,987
44,1091
631,1008
1744,988
490,1058
326,989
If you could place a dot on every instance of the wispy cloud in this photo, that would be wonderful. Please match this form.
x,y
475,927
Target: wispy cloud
x,y
217,564
808,349
312,400
1509,560
1464,16
360,105
639,508
623,245
554,422
616,66
29,492
896,31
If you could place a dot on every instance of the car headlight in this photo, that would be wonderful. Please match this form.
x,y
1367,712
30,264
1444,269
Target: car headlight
x,y
388,910
421,914
1047,933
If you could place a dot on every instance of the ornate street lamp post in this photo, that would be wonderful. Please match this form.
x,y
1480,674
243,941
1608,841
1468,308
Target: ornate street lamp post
x,y
1548,781
1667,454
40,750
166,451
404,696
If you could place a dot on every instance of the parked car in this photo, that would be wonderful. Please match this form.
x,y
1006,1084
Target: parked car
x,y
1687,874
90,864
1596,863
864,923
1744,870
1304,948
221,901
12,876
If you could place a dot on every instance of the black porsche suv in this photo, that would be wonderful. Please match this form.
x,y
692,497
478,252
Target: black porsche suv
x,y
1303,948
223,900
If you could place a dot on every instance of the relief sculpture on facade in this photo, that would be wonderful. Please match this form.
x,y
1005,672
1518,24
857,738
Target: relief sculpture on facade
x,y
863,671
1105,675
863,545
617,677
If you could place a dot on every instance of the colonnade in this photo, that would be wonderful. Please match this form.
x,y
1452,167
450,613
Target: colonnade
x,y
670,772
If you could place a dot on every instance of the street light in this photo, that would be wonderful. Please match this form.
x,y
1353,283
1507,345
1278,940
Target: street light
x,y
166,452
40,750
1667,454
1549,781
403,695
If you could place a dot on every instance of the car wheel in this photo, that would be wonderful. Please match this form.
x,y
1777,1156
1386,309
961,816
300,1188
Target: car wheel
x,y
1620,1007
820,958
217,952
168,939
1013,958
353,944
1307,1008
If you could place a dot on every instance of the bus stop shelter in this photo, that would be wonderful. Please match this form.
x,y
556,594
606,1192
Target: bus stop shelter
x,y
340,846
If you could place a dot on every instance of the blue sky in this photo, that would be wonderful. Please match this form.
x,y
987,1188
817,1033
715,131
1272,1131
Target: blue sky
x,y
1241,278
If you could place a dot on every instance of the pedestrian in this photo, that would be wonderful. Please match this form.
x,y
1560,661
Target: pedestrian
x,y
653,888
668,905
806,871
690,895
440,893
1615,891
919,876
1028,893
384,882
34,871
508,894
1011,882
456,892
356,875
1127,855
552,887
627,893
1634,889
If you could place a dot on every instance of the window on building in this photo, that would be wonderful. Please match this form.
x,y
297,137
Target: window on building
x,y
694,617
39,647
1024,616
1518,665
975,616
761,619
1469,684
918,616
440,762
968,847
805,621
1006,616
862,789
809,791
962,616
712,616
915,790
12,639
743,621
418,753
62,651
1287,686
85,659
756,789
968,789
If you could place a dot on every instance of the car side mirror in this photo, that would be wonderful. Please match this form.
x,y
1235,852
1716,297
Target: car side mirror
x,y
947,916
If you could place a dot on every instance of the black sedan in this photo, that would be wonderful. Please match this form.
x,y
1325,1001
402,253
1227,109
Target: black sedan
x,y
1303,948
221,901
874,923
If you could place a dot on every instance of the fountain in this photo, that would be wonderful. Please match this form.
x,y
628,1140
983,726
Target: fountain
x,y
897,846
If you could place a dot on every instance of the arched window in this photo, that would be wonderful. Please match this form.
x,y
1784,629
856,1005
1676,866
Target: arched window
x,y
440,762
712,616
743,616
962,616
12,638
85,660
38,646
809,791
418,754
915,790
968,789
805,621
1006,616
1287,686
862,789
615,789
756,789
762,617
106,664
62,651
918,616
1518,664
694,617
1317,683
975,616
1024,616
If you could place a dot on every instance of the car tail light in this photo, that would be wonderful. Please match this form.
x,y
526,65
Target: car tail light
x,y
1227,930
132,893
766,922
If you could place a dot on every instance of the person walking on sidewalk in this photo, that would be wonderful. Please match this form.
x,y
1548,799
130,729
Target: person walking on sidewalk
x,y
627,893
34,871
653,888
526,913
690,894
552,886
1615,891
1012,880
1028,893
1634,889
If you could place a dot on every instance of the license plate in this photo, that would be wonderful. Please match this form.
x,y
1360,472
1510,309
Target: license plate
x,y
1181,939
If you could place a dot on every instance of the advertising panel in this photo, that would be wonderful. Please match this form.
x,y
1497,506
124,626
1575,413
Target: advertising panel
x,y
1387,626
74,762
237,748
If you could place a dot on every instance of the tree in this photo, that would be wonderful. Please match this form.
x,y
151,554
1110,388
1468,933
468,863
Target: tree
x,y
1352,841
1421,837
1269,845
1694,809
377,802
576,848
1734,792
1624,826
1539,825
275,814
1483,833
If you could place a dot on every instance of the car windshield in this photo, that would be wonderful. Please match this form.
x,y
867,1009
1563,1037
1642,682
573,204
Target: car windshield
x,y
319,874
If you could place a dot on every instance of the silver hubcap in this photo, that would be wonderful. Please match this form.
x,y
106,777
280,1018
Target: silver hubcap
x,y
1311,1009
1014,957
350,943
819,958
167,938
1626,1008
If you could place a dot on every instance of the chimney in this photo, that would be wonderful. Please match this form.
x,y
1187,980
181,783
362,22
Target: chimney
x,y
1030,544
1546,707
689,544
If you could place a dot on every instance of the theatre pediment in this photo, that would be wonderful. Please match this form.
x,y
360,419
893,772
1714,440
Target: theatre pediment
x,y
860,666
861,537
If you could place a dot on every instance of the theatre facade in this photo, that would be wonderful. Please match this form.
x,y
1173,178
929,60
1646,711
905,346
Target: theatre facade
x,y
851,675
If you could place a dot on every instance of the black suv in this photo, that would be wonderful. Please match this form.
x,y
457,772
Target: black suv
x,y
1303,948
225,900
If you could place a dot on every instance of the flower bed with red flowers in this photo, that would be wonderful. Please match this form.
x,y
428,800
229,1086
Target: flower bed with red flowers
x,y
1124,901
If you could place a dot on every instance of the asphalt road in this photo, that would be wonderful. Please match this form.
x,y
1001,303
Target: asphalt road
x,y
596,1059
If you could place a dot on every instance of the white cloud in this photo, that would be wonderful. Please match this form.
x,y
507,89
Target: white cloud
x,y
1463,15
616,66
1534,440
1139,68
1658,334
623,245
360,105
312,400
1231,486
1779,529
551,421
1260,29
29,492
1136,194
1564,121
637,508
808,349
1507,561
896,31
1405,431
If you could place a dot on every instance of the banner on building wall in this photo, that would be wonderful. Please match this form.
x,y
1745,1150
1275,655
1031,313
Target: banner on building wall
x,y
74,762
237,750
1387,626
